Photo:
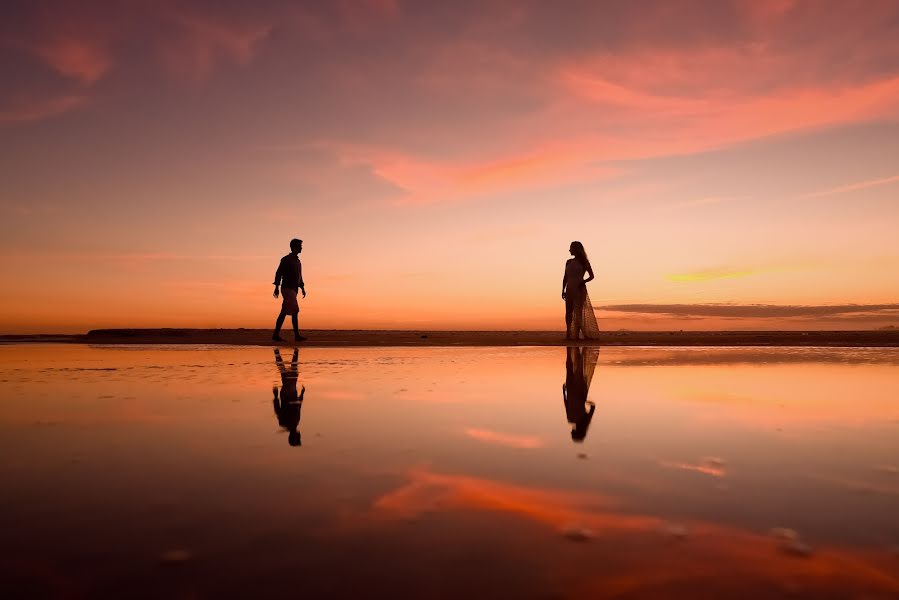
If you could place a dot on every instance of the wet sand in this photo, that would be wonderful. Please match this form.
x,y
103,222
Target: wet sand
x,y
360,338
447,473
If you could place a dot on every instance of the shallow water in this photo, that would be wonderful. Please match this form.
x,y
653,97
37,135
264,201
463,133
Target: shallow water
x,y
438,472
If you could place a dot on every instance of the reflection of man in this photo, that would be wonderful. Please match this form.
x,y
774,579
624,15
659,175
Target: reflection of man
x,y
574,394
288,405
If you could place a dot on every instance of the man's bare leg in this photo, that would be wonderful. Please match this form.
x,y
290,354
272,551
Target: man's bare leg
x,y
277,335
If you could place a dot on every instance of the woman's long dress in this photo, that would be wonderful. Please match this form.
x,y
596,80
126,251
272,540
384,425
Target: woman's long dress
x,y
583,317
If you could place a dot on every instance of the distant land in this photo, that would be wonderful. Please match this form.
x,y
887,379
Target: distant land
x,y
348,338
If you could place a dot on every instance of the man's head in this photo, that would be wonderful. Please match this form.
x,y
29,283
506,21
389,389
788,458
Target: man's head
x,y
296,246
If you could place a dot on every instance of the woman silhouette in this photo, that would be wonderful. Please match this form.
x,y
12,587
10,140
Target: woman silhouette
x,y
579,317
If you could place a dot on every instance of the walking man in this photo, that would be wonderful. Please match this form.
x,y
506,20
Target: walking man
x,y
289,277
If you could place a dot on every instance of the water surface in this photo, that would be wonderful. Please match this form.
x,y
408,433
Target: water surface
x,y
437,472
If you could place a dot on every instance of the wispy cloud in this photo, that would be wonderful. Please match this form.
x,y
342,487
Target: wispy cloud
x,y
859,185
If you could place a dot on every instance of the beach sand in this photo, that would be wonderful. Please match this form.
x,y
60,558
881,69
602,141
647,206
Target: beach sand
x,y
349,338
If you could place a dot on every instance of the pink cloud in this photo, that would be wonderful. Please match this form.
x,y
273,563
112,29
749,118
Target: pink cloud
x,y
203,41
81,59
69,38
713,111
189,39
535,119
590,120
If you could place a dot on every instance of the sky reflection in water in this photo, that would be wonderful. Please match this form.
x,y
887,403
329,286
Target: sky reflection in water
x,y
435,472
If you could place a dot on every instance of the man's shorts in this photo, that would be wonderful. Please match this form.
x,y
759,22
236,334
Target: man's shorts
x,y
289,304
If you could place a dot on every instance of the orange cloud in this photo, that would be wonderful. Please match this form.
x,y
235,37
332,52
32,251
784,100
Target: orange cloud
x,y
427,491
713,554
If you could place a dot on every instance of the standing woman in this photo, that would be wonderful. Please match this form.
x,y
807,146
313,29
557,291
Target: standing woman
x,y
579,317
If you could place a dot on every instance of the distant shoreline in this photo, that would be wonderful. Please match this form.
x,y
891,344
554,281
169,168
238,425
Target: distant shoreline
x,y
358,338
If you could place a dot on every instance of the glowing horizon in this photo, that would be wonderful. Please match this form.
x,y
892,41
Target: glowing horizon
x,y
728,165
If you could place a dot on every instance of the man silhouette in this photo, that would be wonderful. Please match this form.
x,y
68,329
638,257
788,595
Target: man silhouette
x,y
289,277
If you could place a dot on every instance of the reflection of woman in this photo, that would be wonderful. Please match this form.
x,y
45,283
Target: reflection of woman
x,y
288,403
579,317
578,374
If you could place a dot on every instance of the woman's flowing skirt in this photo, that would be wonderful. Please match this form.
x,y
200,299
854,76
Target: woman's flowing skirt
x,y
584,320
589,326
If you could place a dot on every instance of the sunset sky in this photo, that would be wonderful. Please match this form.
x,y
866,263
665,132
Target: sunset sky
x,y
727,164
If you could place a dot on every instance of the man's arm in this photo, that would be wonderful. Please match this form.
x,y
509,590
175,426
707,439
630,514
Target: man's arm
x,y
279,275
302,285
